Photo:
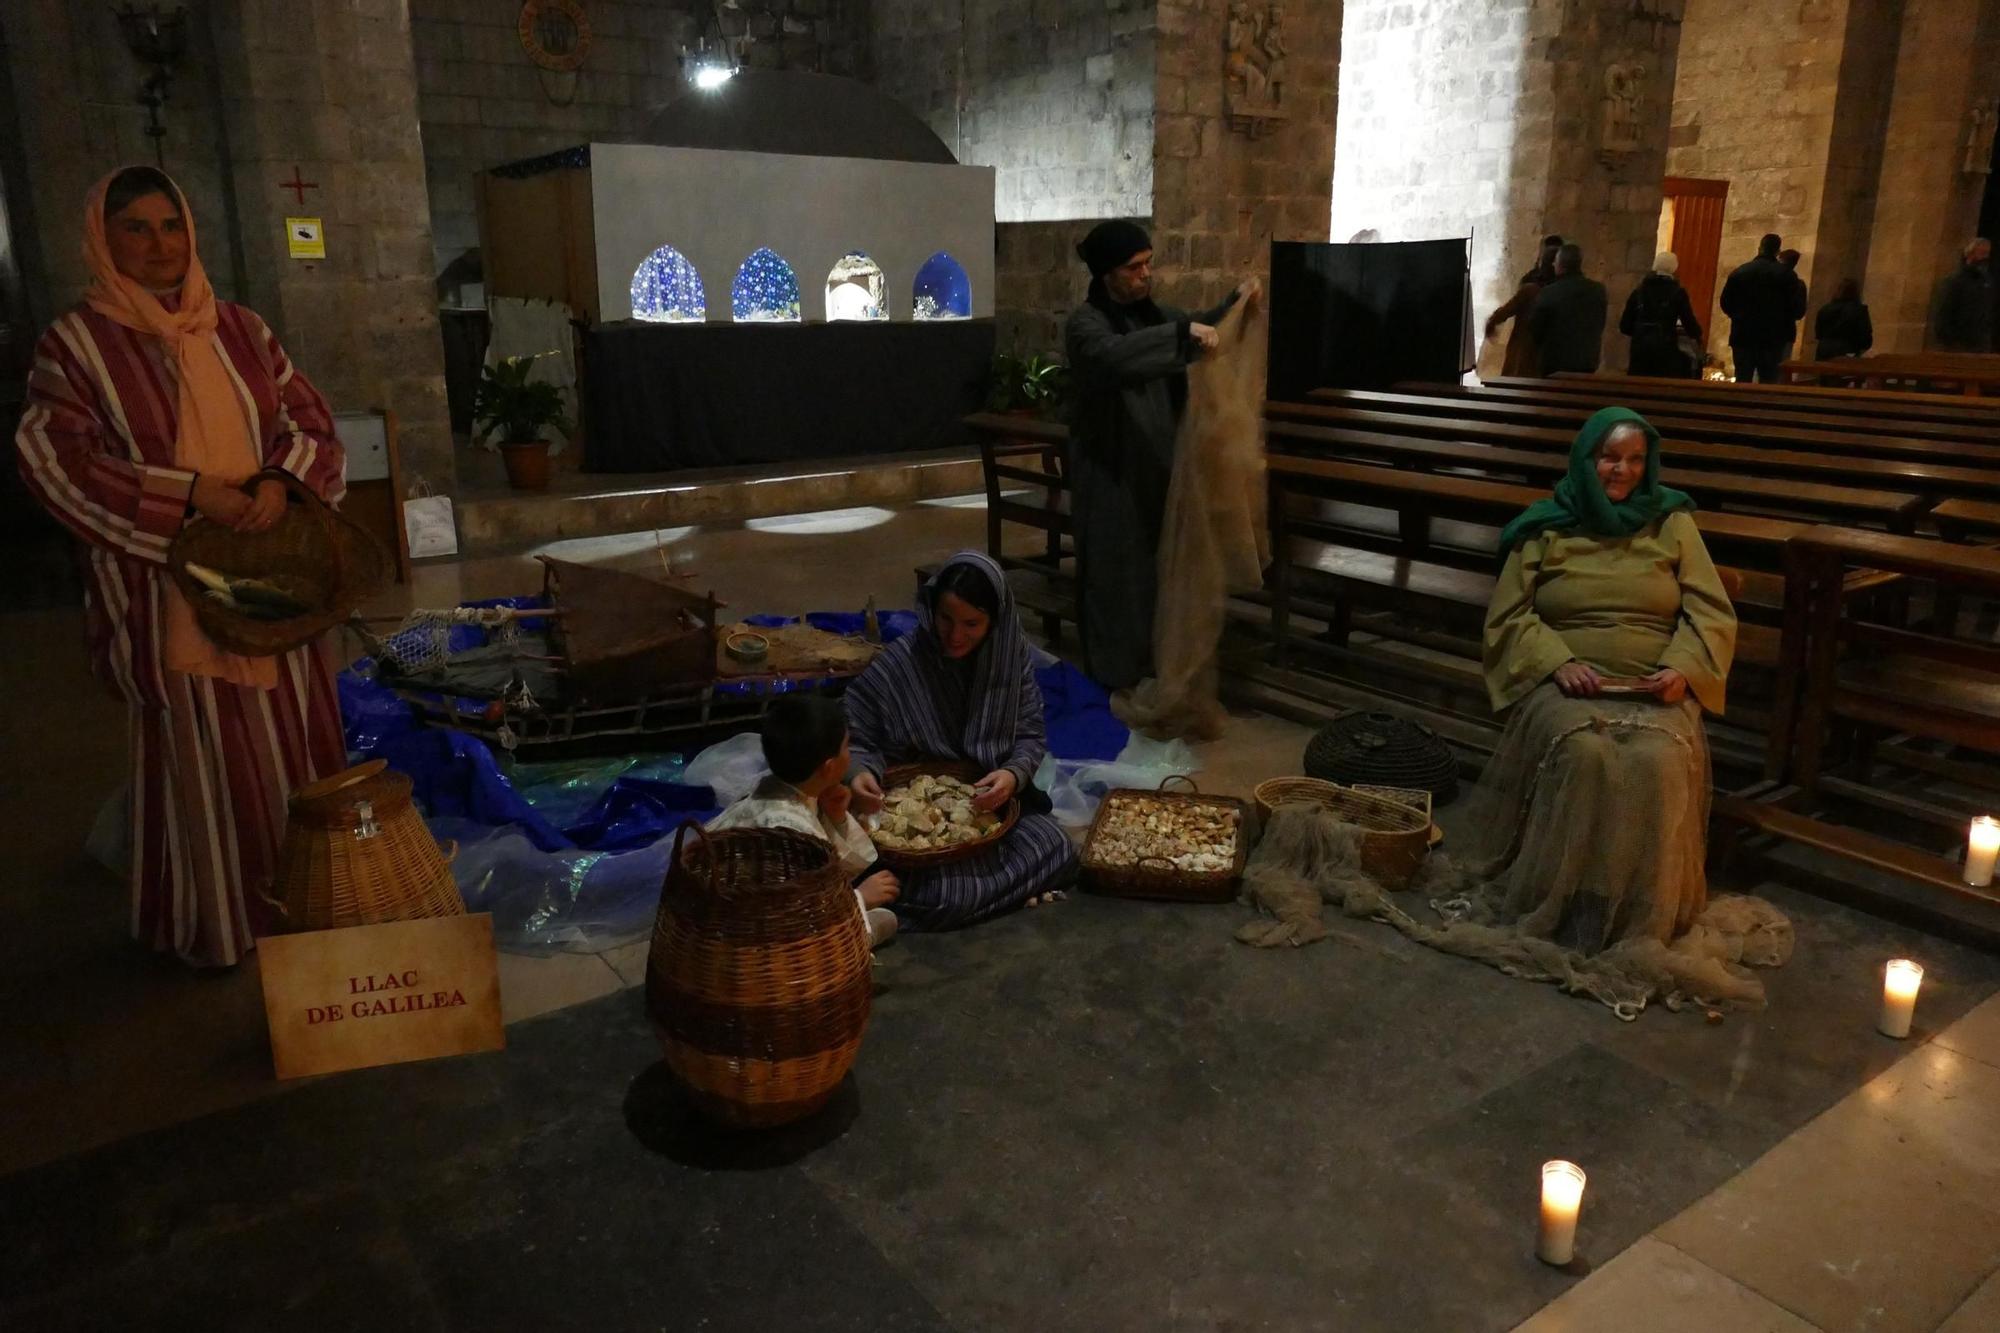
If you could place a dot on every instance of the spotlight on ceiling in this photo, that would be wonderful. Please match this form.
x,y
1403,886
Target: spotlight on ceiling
x,y
709,67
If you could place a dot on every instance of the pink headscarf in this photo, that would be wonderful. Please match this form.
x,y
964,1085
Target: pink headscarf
x,y
214,433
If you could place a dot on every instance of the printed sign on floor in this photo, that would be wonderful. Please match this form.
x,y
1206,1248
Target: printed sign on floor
x,y
380,995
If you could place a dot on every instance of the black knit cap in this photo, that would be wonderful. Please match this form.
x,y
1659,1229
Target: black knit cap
x,y
1110,244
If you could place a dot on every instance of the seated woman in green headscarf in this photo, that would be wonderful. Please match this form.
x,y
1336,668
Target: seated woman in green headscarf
x,y
1608,634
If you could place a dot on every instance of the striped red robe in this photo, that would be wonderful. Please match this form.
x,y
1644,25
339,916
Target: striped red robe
x,y
213,764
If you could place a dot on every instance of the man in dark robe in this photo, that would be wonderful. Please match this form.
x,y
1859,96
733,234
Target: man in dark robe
x,y
1964,321
1567,318
1765,302
1128,358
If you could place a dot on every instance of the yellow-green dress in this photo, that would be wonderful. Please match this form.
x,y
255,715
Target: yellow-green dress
x,y
1588,835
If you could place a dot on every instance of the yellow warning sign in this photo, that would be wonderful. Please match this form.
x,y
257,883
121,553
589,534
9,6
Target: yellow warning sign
x,y
306,238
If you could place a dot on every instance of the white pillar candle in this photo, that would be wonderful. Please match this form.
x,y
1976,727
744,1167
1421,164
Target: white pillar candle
x,y
1899,996
1562,1199
1981,847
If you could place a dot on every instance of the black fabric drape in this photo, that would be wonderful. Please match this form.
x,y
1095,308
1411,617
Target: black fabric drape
x,y
1365,315
662,397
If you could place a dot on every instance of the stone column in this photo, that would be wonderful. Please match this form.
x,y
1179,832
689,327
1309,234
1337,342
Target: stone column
x,y
1926,205
1220,194
329,87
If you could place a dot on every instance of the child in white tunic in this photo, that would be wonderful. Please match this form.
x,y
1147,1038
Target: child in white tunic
x,y
805,743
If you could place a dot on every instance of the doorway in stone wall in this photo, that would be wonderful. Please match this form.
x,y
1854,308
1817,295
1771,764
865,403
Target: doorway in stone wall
x,y
1691,226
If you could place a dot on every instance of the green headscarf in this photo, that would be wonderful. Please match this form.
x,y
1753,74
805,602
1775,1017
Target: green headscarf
x,y
1579,503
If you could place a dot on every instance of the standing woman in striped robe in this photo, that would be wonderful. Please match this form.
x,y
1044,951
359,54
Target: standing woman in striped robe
x,y
149,404
962,687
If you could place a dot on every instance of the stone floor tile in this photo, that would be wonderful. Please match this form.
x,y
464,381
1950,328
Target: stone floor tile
x,y
629,961
1654,1288
1977,1034
1862,1219
531,986
1980,1313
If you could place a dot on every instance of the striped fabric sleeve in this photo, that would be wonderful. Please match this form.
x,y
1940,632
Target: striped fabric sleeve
x,y
302,437
68,461
865,726
1031,744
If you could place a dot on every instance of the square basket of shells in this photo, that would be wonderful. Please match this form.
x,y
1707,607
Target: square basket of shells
x,y
1166,844
929,816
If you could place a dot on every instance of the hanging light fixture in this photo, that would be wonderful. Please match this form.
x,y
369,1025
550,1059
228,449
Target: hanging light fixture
x,y
156,37
709,66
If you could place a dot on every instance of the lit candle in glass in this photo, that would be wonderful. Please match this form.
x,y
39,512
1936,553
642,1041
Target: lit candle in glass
x,y
1981,847
1562,1199
1899,996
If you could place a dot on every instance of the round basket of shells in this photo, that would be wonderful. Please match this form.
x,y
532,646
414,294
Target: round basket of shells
x,y
928,817
1177,845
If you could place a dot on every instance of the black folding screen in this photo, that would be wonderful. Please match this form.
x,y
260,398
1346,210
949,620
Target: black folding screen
x,y
1365,315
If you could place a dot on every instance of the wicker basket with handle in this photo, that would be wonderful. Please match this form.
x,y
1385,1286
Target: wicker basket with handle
x,y
898,859
357,853
312,552
1395,838
758,981
1157,877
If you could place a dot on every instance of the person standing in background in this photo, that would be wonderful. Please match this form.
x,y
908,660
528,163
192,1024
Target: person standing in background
x,y
1842,327
1657,316
1965,305
1764,301
1567,318
1520,358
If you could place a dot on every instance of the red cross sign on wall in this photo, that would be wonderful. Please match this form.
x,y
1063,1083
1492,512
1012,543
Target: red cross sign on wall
x,y
298,186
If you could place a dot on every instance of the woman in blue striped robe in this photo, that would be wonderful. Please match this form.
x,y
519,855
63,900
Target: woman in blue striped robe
x,y
962,687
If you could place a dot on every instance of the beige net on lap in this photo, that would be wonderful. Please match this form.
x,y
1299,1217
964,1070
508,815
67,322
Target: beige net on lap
x,y
1588,834
1215,539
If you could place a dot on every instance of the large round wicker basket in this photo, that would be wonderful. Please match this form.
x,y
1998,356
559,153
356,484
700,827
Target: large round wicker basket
x,y
357,853
315,554
1395,839
758,982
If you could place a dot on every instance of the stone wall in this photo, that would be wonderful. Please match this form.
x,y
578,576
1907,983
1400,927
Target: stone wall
x,y
1443,132
330,86
1756,105
324,86
1037,281
484,102
1220,194
74,82
1489,118
1926,205
1055,95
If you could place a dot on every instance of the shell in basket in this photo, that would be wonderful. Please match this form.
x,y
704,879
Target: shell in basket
x,y
928,817
1179,846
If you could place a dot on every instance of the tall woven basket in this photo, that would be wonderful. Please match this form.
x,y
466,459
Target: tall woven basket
x,y
357,853
758,981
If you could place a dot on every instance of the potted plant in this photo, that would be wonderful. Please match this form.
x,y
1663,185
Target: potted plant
x,y
1032,386
513,411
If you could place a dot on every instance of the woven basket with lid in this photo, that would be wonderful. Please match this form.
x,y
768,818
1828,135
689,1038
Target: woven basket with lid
x,y
357,853
758,981
1382,750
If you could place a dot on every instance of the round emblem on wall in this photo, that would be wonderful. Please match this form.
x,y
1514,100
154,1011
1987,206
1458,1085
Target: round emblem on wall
x,y
555,33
